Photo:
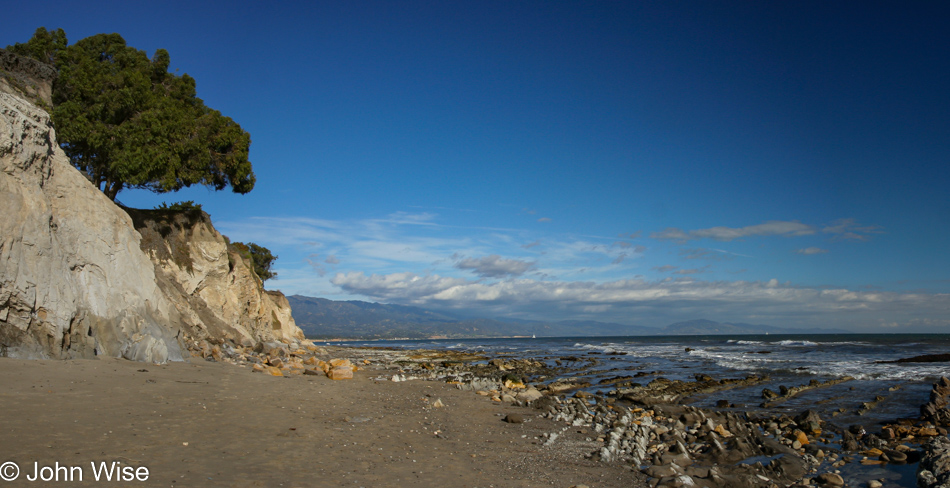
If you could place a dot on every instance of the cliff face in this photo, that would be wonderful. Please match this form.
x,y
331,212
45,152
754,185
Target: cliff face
x,y
75,282
27,78
213,287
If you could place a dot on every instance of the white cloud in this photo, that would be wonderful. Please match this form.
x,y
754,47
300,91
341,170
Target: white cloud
x,y
811,250
770,228
644,301
494,266
399,287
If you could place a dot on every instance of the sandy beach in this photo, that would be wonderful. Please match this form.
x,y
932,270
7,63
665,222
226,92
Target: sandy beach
x,y
203,423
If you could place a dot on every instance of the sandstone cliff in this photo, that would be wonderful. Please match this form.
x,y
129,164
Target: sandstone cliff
x,y
219,296
74,280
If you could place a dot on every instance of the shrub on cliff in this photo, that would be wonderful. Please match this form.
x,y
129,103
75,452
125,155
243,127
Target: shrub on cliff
x,y
126,122
260,257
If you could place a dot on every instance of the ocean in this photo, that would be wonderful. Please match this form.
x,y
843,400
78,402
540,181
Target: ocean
x,y
897,390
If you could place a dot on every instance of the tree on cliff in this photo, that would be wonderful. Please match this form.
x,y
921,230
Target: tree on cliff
x,y
126,122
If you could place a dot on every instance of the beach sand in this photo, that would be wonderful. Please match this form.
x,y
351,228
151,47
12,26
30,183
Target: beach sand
x,y
201,423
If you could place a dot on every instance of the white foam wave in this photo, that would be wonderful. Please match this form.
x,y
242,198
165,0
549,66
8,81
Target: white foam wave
x,y
796,343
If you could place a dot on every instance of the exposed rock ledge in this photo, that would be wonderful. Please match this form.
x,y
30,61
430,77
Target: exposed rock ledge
x,y
74,282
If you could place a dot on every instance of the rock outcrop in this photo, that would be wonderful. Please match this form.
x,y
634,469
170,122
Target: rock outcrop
x,y
26,78
74,280
212,286
937,410
934,468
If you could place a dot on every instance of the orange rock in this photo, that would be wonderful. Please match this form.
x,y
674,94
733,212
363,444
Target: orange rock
x,y
274,371
872,453
276,362
257,368
722,431
340,362
800,437
927,431
341,373
312,360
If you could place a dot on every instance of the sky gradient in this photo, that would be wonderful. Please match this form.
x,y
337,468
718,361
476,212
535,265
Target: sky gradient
x,y
631,162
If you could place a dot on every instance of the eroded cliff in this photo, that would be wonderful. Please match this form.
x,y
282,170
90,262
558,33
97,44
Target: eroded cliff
x,y
74,280
219,296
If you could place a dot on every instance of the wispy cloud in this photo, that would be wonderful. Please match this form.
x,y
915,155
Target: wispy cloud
x,y
811,250
849,229
544,219
691,271
494,266
841,229
770,228
423,243
706,254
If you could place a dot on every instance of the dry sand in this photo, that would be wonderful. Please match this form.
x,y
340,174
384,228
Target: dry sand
x,y
202,423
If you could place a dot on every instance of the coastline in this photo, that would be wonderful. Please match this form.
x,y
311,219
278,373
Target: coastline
x,y
431,417
202,423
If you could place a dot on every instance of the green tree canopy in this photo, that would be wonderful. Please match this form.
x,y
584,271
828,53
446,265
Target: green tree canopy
x,y
126,122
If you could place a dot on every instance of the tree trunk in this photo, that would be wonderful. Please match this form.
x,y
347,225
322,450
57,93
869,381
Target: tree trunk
x,y
113,190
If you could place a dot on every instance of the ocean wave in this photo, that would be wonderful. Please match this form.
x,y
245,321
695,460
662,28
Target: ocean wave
x,y
796,343
606,348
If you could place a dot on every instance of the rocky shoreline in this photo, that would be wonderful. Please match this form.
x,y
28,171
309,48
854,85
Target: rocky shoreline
x,y
647,427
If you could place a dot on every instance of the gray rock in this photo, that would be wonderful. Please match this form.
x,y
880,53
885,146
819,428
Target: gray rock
x,y
830,479
514,418
529,395
934,468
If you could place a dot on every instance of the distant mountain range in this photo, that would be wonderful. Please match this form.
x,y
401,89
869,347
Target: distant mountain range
x,y
320,318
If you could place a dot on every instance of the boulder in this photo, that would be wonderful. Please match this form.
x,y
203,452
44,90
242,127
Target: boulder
x,y
830,479
529,395
514,418
341,373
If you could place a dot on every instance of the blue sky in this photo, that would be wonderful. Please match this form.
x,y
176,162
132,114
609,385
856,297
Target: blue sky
x,y
633,162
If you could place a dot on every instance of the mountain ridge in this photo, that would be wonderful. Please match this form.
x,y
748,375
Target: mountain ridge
x,y
322,318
